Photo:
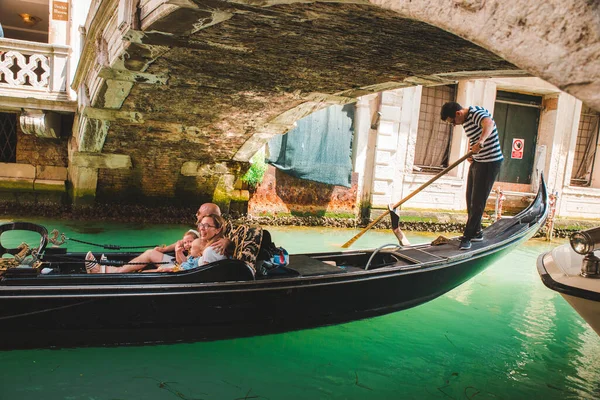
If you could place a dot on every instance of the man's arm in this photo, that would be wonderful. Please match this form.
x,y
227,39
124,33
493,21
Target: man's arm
x,y
487,126
223,246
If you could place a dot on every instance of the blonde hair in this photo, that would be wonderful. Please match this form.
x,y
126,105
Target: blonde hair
x,y
192,232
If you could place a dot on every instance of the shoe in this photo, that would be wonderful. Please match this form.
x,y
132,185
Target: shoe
x,y
90,261
478,237
465,244
92,266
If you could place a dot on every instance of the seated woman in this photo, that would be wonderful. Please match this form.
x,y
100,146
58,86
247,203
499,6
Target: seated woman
x,y
211,229
402,240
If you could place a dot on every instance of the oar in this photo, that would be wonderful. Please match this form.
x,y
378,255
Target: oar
x,y
410,196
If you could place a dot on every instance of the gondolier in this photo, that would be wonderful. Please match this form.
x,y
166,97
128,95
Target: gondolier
x,y
484,142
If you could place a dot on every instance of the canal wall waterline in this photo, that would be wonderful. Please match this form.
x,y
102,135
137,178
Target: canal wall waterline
x,y
417,221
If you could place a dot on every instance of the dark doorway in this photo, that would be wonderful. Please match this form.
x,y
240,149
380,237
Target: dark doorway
x,y
8,137
517,117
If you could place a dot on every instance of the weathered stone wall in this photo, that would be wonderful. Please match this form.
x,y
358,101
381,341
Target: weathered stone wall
x,y
282,194
155,176
40,151
39,172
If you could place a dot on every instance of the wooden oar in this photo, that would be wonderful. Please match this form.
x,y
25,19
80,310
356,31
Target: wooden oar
x,y
410,196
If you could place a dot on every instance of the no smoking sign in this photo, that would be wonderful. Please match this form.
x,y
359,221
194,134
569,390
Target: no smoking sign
x,y
517,148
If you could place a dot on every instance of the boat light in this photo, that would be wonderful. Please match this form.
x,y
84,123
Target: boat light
x,y
586,242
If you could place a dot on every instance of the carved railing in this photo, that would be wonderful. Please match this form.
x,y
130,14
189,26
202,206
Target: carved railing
x,y
32,69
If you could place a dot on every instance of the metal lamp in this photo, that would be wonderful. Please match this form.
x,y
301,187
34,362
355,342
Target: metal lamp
x,y
586,242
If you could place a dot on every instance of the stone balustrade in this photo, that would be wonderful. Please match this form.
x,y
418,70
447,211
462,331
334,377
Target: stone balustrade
x,y
33,72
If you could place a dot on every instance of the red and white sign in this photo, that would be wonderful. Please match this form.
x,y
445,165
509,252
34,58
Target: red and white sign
x,y
517,148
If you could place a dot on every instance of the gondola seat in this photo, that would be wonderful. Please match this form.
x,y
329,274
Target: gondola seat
x,y
247,241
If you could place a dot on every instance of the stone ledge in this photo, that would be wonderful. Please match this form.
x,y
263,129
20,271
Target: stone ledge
x,y
10,171
17,171
32,185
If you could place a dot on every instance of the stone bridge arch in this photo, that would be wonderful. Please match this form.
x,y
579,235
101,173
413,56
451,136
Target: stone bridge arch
x,y
176,96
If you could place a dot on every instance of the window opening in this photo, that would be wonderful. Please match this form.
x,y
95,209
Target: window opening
x,y
8,138
585,149
433,135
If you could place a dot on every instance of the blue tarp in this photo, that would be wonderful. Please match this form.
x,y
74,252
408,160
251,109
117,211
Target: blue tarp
x,y
319,148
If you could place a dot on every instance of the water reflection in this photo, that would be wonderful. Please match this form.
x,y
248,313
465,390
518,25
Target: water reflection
x,y
463,293
587,364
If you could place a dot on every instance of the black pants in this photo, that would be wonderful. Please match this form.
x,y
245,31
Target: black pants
x,y
480,181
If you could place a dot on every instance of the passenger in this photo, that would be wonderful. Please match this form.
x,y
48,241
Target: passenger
x,y
153,256
402,239
201,253
224,245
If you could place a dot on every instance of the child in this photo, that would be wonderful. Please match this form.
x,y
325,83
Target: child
x,y
191,262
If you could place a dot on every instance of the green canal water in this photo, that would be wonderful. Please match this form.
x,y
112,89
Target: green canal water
x,y
502,335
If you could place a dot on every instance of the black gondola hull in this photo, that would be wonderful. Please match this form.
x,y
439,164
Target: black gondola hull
x,y
192,314
70,310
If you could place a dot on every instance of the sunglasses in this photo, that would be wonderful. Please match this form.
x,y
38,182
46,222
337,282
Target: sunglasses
x,y
205,226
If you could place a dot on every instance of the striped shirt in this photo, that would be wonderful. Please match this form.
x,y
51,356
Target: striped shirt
x,y
491,150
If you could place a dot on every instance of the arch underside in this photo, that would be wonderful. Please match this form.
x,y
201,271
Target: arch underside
x,y
235,84
213,81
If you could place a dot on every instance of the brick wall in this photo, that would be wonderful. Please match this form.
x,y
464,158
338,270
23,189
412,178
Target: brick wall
x,y
155,177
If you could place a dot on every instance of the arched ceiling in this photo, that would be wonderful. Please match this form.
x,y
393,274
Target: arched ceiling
x,y
212,80
235,83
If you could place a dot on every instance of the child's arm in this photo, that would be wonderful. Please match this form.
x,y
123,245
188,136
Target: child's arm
x,y
179,252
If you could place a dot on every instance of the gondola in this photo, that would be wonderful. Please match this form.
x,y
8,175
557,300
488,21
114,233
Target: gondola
x,y
227,299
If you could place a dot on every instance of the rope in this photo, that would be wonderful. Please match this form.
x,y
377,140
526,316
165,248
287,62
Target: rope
x,y
112,246
114,263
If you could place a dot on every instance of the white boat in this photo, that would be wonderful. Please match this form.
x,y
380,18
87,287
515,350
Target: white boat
x,y
573,270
